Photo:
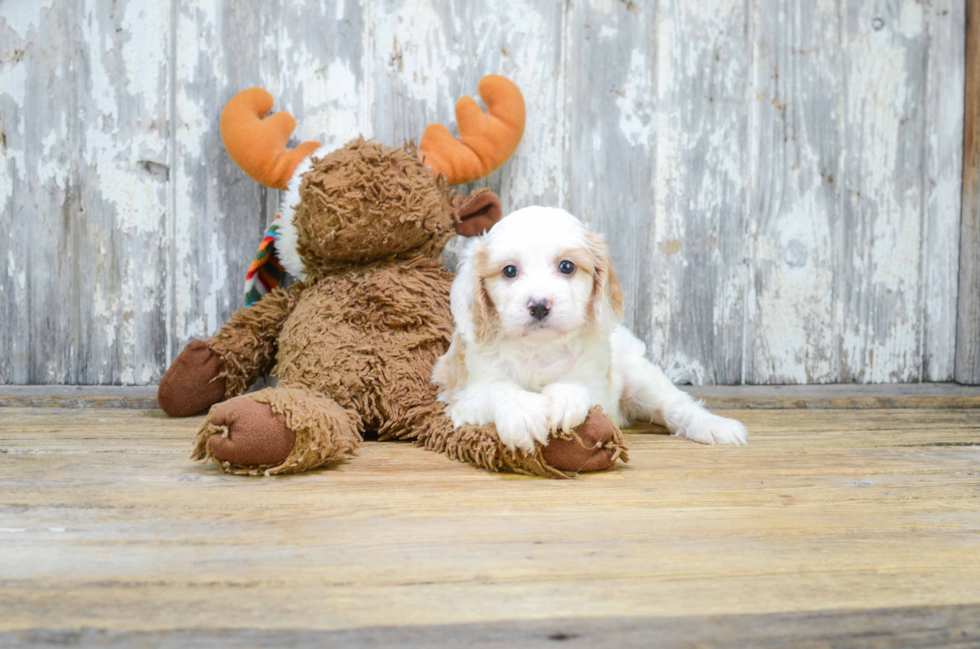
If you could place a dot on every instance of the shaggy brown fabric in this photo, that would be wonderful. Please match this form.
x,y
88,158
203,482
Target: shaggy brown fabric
x,y
354,345
194,382
249,340
367,201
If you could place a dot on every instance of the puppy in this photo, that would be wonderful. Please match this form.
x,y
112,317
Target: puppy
x,y
538,342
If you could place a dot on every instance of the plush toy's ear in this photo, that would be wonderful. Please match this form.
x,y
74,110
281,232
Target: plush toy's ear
x,y
477,214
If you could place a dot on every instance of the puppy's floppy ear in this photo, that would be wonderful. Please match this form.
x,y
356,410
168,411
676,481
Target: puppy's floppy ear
x,y
476,213
484,310
473,311
605,285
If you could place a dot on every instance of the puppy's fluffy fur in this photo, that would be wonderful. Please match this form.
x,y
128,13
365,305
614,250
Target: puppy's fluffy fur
x,y
538,342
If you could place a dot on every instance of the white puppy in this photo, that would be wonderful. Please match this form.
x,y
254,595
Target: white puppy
x,y
536,305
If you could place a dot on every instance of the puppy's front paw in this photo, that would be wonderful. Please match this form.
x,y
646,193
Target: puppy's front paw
x,y
569,406
712,429
523,420
466,412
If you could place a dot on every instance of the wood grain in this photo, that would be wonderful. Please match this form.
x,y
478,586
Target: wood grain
x,y
106,524
752,397
879,294
968,317
85,191
924,627
794,150
697,316
943,175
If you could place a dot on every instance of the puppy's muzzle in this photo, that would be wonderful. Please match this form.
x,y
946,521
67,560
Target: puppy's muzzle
x,y
539,309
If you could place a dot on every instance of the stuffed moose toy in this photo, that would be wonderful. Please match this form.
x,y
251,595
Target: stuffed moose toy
x,y
353,341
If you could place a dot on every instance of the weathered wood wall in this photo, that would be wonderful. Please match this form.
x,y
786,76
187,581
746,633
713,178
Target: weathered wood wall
x,y
780,179
968,314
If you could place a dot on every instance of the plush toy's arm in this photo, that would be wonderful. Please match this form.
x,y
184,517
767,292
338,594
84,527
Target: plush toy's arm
x,y
227,364
248,342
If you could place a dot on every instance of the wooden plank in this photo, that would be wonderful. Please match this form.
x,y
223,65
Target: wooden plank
x,y
219,213
755,397
794,194
77,396
910,628
88,192
38,192
106,524
943,186
879,261
611,85
118,236
700,221
968,314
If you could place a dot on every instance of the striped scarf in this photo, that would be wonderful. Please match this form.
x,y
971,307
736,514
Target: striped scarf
x,y
265,273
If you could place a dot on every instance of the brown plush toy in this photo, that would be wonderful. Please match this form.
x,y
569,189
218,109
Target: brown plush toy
x,y
354,340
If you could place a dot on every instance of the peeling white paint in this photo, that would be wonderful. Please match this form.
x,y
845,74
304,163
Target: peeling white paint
x,y
637,118
418,47
21,17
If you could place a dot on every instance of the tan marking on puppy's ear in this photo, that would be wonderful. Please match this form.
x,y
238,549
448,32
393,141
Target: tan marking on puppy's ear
x,y
605,286
484,310
615,293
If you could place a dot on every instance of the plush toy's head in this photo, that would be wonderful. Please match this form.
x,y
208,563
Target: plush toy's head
x,y
366,201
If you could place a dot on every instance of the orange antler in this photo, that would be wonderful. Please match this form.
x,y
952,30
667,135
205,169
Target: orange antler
x,y
486,140
258,145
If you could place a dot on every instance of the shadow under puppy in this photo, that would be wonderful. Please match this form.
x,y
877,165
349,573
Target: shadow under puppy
x,y
538,341
353,342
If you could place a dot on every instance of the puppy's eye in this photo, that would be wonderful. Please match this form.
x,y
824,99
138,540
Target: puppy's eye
x,y
566,268
510,271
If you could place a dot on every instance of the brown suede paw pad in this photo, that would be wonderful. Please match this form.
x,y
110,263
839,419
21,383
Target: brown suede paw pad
x,y
251,434
193,382
594,445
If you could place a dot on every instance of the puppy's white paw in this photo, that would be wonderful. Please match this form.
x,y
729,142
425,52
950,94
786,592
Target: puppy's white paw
x,y
523,420
712,429
569,406
466,413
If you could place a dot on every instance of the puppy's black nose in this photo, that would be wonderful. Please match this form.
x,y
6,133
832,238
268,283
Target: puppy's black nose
x,y
540,310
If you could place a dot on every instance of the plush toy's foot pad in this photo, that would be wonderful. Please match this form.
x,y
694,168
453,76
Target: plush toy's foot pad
x,y
250,435
193,382
595,445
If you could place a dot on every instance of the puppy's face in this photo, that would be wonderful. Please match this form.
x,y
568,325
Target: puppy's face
x,y
540,274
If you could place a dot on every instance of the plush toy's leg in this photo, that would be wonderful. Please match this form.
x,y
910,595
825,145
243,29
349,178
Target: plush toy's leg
x,y
286,429
227,364
595,445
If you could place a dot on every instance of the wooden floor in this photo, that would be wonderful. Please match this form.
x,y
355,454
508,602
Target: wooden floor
x,y
832,527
